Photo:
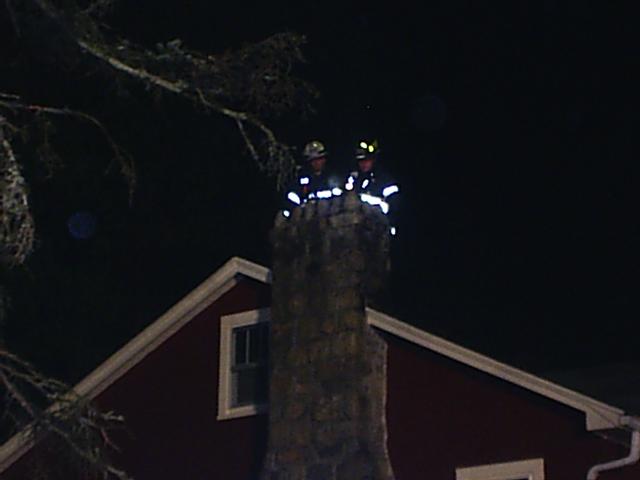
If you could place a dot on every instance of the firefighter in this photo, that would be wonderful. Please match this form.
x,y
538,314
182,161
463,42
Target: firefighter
x,y
312,181
368,179
373,186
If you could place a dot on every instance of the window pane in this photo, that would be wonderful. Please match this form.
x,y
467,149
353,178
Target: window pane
x,y
240,346
258,343
250,359
251,386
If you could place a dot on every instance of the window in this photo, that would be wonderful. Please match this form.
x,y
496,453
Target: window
x,y
243,376
249,365
522,470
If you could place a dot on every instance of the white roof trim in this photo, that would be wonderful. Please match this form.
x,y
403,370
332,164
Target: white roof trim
x,y
173,320
220,282
598,415
531,469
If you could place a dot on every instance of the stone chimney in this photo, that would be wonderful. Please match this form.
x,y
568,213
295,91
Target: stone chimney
x,y
328,367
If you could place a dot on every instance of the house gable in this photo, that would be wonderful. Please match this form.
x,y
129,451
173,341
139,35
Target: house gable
x,y
127,363
170,402
598,415
220,282
160,352
444,415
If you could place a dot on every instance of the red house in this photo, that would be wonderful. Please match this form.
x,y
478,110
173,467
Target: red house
x,y
192,389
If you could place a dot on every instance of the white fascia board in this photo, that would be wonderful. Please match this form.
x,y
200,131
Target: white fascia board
x,y
134,351
219,283
14,448
598,415
530,469
249,269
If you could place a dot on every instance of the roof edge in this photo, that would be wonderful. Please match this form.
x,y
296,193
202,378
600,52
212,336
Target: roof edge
x,y
216,285
598,415
145,342
249,269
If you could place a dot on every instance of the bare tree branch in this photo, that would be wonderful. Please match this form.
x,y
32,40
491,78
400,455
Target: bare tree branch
x,y
51,408
279,161
139,74
127,167
16,222
242,85
247,86
99,7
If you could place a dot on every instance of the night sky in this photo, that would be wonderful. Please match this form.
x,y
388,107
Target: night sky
x,y
512,130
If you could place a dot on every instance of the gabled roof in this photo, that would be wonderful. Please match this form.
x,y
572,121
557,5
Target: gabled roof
x,y
598,415
134,351
219,283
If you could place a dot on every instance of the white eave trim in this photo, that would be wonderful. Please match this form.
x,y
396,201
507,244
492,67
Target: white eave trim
x,y
598,415
219,283
530,469
134,351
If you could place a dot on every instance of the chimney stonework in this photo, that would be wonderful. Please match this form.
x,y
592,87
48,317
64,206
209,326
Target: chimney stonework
x,y
328,367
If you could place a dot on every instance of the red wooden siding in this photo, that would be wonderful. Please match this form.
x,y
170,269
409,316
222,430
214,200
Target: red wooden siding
x,y
169,401
442,414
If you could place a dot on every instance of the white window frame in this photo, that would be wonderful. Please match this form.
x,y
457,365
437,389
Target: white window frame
x,y
532,469
227,324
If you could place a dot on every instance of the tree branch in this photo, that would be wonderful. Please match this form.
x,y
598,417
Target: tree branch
x,y
182,88
67,416
137,73
16,222
126,163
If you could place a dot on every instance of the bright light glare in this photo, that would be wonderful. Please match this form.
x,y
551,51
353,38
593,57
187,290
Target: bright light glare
x,y
363,145
286,213
393,231
336,191
293,196
372,200
390,190
324,194
370,148
304,181
349,185
365,183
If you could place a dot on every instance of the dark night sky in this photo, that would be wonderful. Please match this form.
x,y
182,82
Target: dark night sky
x,y
511,129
